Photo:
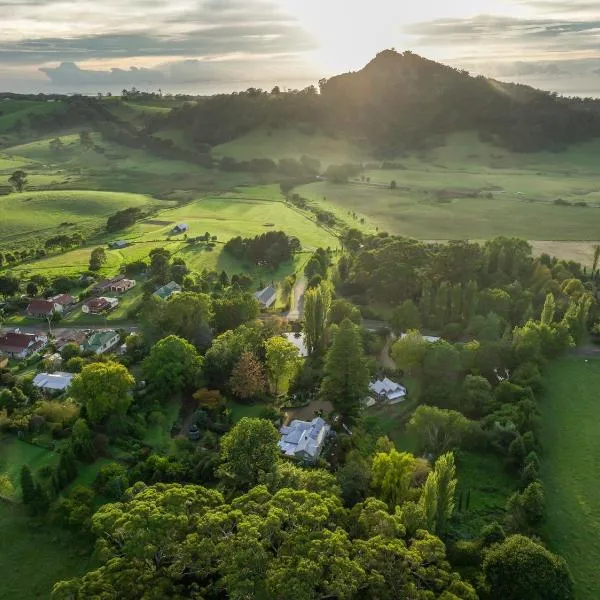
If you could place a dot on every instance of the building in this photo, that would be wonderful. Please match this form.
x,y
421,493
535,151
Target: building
x,y
21,345
298,339
428,338
388,391
118,244
180,228
53,382
101,341
166,291
266,297
304,440
70,336
43,309
95,306
105,284
122,286
64,300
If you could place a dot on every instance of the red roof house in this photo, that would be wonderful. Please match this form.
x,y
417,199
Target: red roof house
x,y
39,307
21,345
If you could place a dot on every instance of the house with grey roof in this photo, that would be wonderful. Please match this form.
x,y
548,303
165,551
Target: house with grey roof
x,y
53,382
387,390
304,440
166,291
180,228
266,297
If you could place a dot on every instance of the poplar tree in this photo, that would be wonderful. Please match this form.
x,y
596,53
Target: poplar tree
x,y
317,303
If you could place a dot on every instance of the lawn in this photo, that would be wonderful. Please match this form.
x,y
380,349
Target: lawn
x,y
33,555
239,410
15,453
570,415
14,110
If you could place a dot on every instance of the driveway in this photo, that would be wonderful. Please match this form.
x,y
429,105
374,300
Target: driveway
x,y
297,299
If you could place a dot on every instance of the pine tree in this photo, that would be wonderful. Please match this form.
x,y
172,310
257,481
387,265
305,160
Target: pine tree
x,y
28,488
346,375
317,303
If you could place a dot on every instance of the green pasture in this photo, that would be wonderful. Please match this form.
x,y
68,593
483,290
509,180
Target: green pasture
x,y
291,143
45,213
12,111
571,446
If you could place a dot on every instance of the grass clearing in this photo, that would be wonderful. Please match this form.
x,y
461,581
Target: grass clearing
x,y
570,414
239,410
35,555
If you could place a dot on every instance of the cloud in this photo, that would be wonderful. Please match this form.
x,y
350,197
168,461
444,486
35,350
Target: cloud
x,y
182,72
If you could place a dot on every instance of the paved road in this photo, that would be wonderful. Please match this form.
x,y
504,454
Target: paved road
x,y
61,329
297,299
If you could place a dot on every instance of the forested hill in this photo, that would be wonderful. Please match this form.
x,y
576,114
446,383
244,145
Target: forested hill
x,y
397,102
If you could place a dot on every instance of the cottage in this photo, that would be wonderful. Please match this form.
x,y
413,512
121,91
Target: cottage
x,y
95,306
180,228
304,440
166,291
65,301
43,309
117,245
70,336
53,382
266,297
101,341
21,345
122,286
388,391
105,284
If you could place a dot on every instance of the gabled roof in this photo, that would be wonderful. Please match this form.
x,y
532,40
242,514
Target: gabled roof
x,y
39,305
387,387
304,438
166,290
53,381
99,338
97,303
14,340
266,296
63,299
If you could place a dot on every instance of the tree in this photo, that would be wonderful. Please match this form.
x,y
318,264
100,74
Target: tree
x,y
97,259
9,285
547,317
342,309
437,430
445,481
248,452
56,146
103,388
247,378
172,366
521,568
476,396
317,303
282,360
28,488
85,139
233,310
596,259
18,180
346,377
405,317
391,475
186,315
81,441
409,351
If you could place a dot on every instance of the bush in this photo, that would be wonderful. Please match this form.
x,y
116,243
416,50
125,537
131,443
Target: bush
x,y
465,553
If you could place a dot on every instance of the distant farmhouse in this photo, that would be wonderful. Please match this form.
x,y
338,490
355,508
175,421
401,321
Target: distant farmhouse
x,y
166,291
266,297
118,244
388,391
180,228
304,440
21,345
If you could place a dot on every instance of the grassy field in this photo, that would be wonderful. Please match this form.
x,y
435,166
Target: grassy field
x,y
42,214
12,111
571,445
226,217
291,143
33,556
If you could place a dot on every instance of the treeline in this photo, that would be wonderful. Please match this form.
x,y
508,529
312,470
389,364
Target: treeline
x,y
267,249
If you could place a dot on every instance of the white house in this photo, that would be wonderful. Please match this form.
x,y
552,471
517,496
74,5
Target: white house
x,y
388,391
53,382
428,338
304,440
21,345
266,297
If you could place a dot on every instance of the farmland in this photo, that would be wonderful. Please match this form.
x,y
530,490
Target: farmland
x,y
570,414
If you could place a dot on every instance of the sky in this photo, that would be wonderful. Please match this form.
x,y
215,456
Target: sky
x,y
207,46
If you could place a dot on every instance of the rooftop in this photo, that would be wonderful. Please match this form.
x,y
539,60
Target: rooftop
x,y
53,381
99,338
304,437
39,305
166,290
266,296
15,339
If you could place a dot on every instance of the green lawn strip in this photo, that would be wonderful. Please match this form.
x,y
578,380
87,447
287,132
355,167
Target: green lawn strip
x,y
34,555
239,410
158,432
571,446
